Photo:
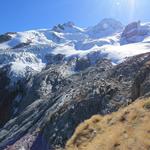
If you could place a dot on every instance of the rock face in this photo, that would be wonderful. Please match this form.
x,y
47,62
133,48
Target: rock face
x,y
141,84
54,102
7,95
82,64
4,38
133,33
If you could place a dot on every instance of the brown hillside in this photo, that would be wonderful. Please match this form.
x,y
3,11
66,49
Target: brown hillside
x,y
127,129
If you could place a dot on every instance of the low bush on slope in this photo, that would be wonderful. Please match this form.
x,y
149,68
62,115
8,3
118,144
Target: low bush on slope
x,y
127,129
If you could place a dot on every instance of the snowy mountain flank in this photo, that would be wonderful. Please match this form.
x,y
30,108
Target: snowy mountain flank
x,y
51,80
110,39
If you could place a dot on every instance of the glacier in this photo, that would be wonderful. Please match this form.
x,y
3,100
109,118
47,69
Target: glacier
x,y
25,52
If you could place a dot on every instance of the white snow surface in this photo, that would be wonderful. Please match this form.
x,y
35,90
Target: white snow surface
x,y
68,39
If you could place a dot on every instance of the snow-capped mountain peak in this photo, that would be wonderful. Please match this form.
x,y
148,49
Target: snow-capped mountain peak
x,y
105,28
108,39
68,27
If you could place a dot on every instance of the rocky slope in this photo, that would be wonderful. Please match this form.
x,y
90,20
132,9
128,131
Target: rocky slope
x,y
52,80
55,103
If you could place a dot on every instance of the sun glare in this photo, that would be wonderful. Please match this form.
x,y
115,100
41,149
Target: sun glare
x,y
130,5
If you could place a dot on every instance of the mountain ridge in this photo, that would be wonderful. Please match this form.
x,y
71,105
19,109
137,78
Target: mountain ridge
x,y
35,45
52,80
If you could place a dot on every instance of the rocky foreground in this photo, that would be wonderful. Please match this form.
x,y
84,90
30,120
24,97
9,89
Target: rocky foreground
x,y
53,103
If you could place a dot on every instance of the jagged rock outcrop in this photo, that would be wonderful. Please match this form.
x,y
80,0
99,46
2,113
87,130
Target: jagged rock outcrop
x,y
133,33
141,84
5,37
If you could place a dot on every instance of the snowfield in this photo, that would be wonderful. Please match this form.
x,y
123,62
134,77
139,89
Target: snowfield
x,y
25,51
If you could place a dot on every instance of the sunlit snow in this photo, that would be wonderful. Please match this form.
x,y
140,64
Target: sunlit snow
x,y
68,39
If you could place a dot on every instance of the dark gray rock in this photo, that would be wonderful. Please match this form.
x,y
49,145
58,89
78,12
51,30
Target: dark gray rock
x,y
82,64
55,101
4,38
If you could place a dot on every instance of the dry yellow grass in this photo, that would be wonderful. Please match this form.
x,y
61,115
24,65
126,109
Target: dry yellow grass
x,y
127,129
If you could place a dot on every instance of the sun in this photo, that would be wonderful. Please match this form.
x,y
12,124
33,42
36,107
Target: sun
x,y
130,5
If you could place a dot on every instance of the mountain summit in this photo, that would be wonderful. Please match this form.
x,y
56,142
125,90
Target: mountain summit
x,y
105,28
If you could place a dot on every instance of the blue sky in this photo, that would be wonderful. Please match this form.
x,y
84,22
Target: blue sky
x,y
20,15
